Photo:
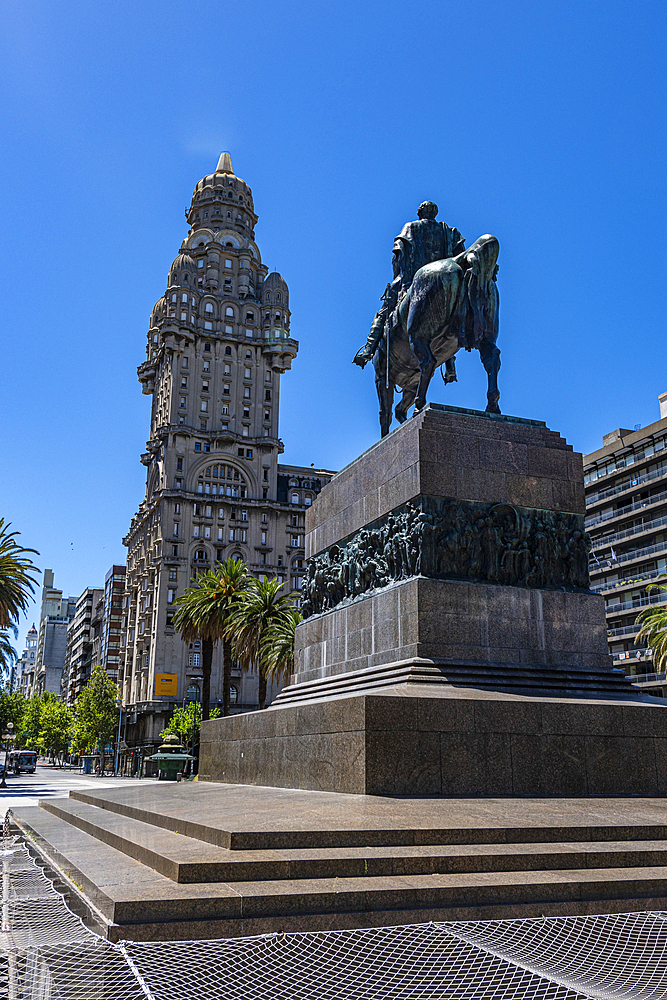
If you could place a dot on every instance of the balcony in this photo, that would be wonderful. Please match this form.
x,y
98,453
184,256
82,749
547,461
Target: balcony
x,y
637,529
642,602
630,556
635,581
624,487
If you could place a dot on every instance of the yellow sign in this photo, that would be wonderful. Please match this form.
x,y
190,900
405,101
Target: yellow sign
x,y
166,684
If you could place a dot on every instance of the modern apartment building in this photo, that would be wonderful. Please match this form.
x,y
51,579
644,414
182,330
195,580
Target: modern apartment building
x,y
78,657
626,516
219,342
56,612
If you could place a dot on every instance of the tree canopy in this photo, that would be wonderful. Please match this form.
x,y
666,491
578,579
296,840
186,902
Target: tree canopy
x,y
95,714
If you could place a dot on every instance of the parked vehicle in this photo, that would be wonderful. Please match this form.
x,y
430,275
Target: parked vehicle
x,y
22,760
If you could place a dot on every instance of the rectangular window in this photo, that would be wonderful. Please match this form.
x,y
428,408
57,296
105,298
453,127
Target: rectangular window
x,y
175,529
247,373
221,513
225,411
228,262
195,531
206,366
184,363
183,403
173,573
248,452
179,464
228,369
208,325
177,508
267,395
243,533
246,392
267,377
262,558
228,329
244,515
208,511
179,484
207,532
221,532
263,538
231,534
295,541
204,405
225,390
245,431
184,317
170,596
265,475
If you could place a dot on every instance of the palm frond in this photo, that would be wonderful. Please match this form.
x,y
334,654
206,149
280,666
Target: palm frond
x,y
17,572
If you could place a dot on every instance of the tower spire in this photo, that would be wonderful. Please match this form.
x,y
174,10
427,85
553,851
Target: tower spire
x,y
224,164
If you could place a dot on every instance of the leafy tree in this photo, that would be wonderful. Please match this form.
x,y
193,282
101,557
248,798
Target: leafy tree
x,y
182,721
259,615
55,728
31,719
12,709
202,614
95,714
17,572
654,628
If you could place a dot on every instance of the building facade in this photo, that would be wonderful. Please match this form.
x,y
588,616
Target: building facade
x,y
79,653
626,517
219,342
56,612
23,672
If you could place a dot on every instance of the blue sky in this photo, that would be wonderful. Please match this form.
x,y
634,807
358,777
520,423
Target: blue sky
x,y
542,123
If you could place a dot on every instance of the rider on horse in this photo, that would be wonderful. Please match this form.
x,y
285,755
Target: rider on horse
x,y
418,243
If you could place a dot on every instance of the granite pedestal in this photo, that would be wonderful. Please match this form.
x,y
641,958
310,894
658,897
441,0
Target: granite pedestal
x,y
419,672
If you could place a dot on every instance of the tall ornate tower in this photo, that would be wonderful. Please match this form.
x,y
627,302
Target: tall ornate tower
x,y
218,343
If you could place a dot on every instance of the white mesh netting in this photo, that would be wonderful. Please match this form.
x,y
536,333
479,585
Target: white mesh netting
x,y
47,953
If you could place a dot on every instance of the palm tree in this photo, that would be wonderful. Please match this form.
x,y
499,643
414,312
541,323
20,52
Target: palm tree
x,y
654,629
258,618
202,614
8,655
278,645
16,581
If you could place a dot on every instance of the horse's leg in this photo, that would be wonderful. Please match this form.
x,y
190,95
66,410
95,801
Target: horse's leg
x,y
401,411
427,365
385,395
490,356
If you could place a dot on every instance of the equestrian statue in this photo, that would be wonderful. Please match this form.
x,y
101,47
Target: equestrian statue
x,y
443,298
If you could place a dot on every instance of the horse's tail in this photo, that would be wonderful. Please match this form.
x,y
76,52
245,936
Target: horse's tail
x,y
481,292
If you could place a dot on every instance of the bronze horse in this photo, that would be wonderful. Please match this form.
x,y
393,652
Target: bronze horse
x,y
451,304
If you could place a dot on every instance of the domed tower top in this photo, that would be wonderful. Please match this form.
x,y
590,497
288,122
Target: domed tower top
x,y
275,290
223,201
182,269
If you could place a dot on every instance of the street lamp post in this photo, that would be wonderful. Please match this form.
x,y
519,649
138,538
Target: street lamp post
x,y
7,738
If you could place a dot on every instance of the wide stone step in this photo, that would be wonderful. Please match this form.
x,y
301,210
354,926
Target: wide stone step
x,y
186,860
252,817
141,904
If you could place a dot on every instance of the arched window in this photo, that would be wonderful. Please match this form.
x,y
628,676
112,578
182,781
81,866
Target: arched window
x,y
278,297
250,317
229,244
268,296
295,497
209,307
307,500
228,350
229,311
229,194
186,278
201,555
